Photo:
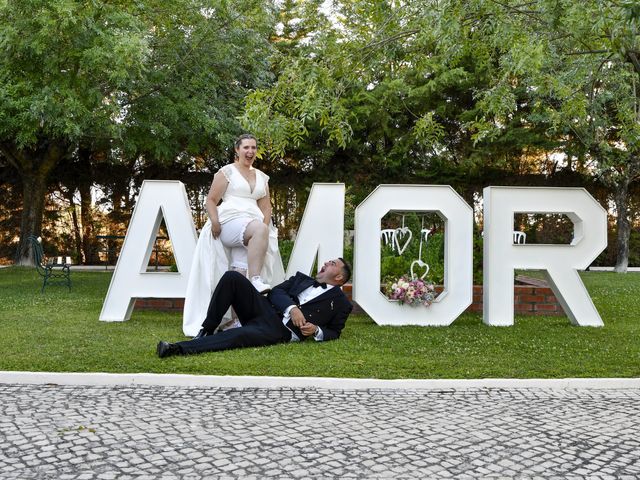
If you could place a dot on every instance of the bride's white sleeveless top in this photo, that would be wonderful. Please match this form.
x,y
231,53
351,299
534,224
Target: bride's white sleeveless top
x,y
239,200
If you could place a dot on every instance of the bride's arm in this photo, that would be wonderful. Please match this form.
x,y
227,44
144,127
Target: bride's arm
x,y
264,204
218,187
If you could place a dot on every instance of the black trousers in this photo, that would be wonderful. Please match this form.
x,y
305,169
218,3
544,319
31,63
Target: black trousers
x,y
261,323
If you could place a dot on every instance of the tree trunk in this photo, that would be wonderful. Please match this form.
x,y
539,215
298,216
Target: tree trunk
x,y
623,225
76,225
89,242
118,218
34,167
34,189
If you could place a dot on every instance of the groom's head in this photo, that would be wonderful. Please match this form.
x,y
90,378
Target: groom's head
x,y
334,272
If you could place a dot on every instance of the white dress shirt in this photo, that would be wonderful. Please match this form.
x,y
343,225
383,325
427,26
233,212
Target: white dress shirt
x,y
305,296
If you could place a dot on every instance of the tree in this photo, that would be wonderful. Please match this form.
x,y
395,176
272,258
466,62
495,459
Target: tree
x,y
458,88
580,64
371,96
60,63
150,78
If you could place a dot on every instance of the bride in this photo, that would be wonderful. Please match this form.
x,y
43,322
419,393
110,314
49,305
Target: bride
x,y
237,236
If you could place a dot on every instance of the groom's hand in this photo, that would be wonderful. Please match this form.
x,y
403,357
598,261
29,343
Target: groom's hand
x,y
297,317
308,329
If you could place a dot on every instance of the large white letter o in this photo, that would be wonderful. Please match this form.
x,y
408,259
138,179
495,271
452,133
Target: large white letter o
x,y
458,254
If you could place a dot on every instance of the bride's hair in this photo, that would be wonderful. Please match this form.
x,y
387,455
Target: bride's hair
x,y
245,136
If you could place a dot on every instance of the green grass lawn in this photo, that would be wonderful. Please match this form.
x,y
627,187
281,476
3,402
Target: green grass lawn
x,y
59,331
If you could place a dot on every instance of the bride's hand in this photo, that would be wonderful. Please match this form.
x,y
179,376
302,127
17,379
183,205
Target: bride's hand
x,y
215,229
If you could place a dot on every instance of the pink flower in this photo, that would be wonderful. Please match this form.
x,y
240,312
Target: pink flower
x,y
411,291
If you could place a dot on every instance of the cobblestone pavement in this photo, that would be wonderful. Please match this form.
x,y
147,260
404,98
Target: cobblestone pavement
x,y
78,432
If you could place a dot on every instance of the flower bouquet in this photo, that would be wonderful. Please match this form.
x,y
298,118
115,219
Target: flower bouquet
x,y
412,291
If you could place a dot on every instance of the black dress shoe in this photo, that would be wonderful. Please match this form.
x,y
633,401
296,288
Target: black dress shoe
x,y
201,333
166,349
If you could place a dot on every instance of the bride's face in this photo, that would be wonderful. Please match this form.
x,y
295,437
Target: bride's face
x,y
246,152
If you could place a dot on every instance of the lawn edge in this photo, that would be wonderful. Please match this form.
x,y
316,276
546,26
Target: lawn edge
x,y
183,380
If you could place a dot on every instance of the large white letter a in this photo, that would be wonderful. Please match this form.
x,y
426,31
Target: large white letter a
x,y
157,199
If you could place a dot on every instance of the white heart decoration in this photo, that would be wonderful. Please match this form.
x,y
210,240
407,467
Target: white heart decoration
x,y
398,236
387,237
420,263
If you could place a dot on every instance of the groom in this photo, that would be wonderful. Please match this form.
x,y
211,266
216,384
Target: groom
x,y
295,310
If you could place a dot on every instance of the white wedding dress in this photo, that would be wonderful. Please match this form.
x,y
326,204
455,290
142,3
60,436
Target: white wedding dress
x,y
211,259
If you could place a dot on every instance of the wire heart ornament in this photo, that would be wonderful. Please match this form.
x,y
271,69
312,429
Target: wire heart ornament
x,y
420,264
387,237
398,237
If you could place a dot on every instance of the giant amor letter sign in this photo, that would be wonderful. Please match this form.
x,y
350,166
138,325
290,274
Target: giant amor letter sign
x,y
157,199
321,235
458,253
561,262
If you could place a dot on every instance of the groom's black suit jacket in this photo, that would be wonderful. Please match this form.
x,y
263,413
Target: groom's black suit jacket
x,y
329,310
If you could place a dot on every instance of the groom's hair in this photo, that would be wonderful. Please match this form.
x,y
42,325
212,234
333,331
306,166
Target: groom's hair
x,y
346,270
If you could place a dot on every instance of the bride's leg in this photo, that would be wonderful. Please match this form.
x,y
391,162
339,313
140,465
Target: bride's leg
x,y
252,238
256,238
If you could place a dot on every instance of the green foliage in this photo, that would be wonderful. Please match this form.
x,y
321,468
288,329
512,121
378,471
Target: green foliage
x,y
577,65
478,255
64,65
203,62
70,338
575,61
458,92
347,254
285,247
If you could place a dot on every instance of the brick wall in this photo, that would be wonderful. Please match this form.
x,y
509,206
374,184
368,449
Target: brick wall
x,y
162,304
529,300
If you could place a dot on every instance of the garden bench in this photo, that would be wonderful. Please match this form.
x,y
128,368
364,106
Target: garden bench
x,y
50,270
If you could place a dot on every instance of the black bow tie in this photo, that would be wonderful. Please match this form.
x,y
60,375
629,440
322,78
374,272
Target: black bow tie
x,y
319,284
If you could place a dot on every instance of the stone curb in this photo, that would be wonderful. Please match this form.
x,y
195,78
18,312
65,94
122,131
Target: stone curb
x,y
173,380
